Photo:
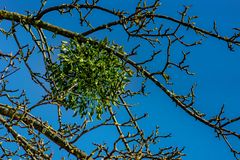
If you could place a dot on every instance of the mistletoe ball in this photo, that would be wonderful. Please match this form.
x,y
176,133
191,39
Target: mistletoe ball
x,y
87,77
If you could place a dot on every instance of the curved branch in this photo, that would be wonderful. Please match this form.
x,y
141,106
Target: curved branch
x,y
71,6
69,34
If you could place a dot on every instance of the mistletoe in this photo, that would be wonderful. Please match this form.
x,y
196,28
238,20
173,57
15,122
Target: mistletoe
x,y
88,78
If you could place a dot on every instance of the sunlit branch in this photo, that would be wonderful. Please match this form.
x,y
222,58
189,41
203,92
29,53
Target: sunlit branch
x,y
44,129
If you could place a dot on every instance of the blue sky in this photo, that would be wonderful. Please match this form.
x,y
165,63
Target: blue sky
x,y
217,75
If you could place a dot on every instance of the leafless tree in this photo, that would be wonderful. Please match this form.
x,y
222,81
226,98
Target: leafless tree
x,y
24,134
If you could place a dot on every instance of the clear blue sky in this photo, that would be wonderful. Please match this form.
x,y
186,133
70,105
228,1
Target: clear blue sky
x,y
217,75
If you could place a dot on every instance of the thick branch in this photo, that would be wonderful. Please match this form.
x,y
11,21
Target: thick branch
x,y
22,141
45,129
27,20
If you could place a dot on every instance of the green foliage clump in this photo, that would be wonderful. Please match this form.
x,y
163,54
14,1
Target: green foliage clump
x,y
87,78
